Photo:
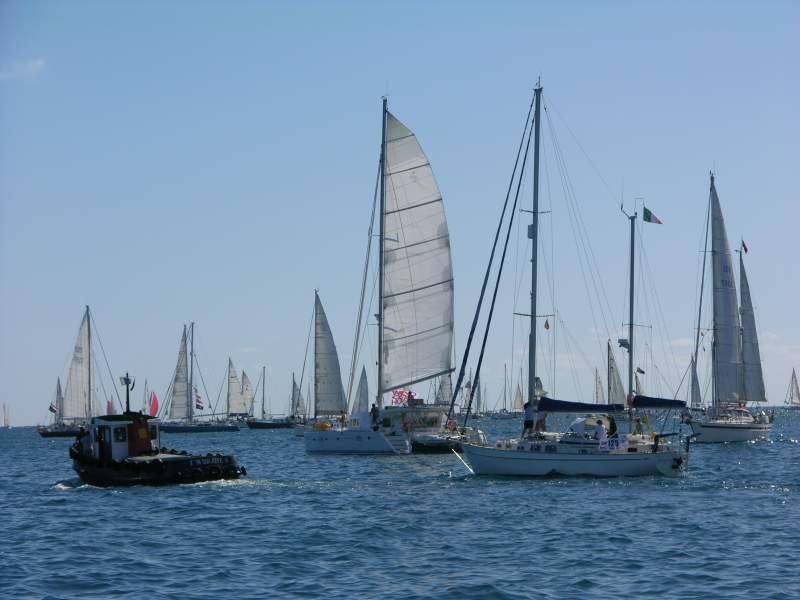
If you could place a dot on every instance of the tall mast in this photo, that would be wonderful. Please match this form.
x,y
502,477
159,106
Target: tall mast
x,y
533,234
294,398
89,363
380,254
190,391
263,388
632,219
702,278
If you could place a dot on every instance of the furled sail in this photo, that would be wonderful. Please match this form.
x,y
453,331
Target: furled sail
x,y
80,398
752,374
616,392
727,340
237,404
361,403
418,272
180,406
247,393
695,399
329,398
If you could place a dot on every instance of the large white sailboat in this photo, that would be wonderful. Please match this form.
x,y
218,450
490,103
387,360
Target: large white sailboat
x,y
79,401
793,398
584,448
736,372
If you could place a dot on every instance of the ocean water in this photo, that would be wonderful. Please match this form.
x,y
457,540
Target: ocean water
x,y
401,527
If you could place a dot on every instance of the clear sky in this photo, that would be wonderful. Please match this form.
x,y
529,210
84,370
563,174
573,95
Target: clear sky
x,y
210,161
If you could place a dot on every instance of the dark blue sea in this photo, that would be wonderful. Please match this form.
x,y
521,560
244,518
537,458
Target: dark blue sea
x,y
401,527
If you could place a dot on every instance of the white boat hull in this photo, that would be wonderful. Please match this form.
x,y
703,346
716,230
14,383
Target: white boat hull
x,y
354,441
711,432
491,460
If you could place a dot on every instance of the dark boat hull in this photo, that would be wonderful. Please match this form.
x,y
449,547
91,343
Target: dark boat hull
x,y
265,424
167,428
159,469
48,432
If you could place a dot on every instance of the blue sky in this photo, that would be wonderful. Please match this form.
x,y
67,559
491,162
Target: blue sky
x,y
208,161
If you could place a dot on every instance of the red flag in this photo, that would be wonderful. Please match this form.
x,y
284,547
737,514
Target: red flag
x,y
153,404
109,407
399,396
546,324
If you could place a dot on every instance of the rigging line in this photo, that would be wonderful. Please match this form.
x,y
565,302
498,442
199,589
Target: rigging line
x,y
200,372
497,283
467,348
105,358
305,356
363,288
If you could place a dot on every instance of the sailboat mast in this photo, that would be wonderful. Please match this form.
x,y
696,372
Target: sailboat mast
x,y
533,234
630,307
263,389
89,364
380,254
702,281
190,390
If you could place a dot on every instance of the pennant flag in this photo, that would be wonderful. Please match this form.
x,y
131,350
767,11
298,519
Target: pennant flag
x,y
52,409
153,404
109,407
640,370
399,396
546,324
744,247
649,217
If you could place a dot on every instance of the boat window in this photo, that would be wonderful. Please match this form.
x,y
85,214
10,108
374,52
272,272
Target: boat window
x,y
120,434
153,432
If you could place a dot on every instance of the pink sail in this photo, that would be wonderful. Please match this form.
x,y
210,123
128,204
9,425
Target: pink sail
x,y
153,404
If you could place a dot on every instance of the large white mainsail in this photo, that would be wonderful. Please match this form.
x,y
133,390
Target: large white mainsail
x,y
80,397
752,374
616,392
361,401
417,269
329,398
236,403
247,393
727,340
180,406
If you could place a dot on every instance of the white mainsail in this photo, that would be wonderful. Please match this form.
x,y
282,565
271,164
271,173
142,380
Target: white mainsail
x,y
80,398
180,406
519,402
329,398
695,399
247,393
794,391
599,391
361,403
237,405
616,392
727,339
752,374
418,272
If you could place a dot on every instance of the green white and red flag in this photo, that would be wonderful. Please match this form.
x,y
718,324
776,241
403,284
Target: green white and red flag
x,y
649,217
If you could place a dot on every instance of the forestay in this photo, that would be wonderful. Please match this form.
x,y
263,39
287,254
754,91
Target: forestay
x,y
751,356
179,404
80,398
727,341
418,274
329,398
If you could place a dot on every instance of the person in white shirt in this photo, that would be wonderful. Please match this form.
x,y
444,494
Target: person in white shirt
x,y
600,433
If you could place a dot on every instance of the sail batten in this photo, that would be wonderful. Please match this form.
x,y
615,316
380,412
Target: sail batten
x,y
752,373
329,397
417,323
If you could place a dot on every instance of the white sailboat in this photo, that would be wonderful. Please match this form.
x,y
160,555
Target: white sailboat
x,y
737,376
335,434
793,398
576,451
6,417
79,402
239,401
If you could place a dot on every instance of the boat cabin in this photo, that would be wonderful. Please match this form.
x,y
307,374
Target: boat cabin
x,y
117,437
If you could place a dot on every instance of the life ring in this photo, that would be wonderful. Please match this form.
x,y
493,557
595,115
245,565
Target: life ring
x,y
451,425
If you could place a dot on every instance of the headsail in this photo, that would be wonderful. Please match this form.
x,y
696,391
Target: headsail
x,y
418,272
298,404
237,404
695,399
519,402
753,376
80,398
727,340
599,390
616,392
361,403
329,398
247,393
180,403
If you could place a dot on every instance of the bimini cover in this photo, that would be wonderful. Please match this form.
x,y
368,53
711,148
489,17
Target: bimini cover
x,y
553,405
651,402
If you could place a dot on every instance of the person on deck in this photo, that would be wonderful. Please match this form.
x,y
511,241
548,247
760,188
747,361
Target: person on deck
x,y
637,427
375,413
528,425
612,427
600,433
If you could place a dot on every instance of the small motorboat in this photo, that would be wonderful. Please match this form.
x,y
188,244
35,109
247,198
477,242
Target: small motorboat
x,y
125,450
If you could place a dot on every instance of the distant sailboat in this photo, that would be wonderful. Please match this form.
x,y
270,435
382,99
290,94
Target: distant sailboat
x,y
240,395
181,400
793,399
79,403
267,421
6,417
736,372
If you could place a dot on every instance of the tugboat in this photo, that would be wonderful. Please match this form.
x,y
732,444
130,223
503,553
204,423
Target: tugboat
x,y
125,450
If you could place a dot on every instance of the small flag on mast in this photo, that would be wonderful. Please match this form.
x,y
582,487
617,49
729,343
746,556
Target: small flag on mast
x,y
52,409
649,217
744,247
